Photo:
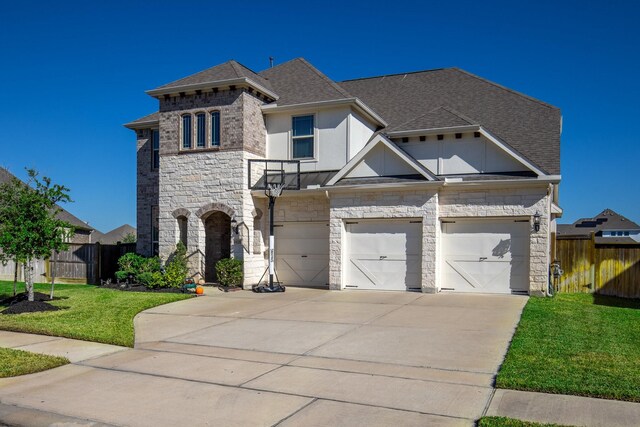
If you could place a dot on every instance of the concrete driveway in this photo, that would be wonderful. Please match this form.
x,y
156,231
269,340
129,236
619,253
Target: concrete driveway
x,y
303,358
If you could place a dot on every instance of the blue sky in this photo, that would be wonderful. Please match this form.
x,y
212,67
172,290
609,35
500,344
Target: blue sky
x,y
73,72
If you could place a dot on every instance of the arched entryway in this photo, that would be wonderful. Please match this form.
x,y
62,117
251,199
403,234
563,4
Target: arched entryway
x,y
217,227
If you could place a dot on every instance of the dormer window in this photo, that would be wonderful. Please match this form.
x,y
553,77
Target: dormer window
x,y
186,131
302,137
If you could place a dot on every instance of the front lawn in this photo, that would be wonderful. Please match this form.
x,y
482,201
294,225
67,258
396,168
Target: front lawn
x,y
578,344
87,312
18,362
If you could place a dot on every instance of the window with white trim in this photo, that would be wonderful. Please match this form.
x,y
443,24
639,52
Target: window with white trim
x,y
302,137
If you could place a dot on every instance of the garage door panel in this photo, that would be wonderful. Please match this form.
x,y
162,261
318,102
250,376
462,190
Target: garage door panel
x,y
384,254
485,256
302,253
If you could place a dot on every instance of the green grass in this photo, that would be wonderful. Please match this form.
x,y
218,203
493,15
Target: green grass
x,y
88,313
578,344
18,362
509,422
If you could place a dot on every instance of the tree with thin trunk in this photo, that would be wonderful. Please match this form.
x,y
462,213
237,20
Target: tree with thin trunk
x,y
29,226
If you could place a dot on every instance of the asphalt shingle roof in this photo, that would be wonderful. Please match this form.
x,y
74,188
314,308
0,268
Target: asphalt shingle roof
x,y
529,126
298,82
114,236
150,118
440,117
227,71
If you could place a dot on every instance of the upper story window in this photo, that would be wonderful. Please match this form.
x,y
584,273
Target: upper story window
x,y
302,137
201,130
215,128
196,132
186,131
155,149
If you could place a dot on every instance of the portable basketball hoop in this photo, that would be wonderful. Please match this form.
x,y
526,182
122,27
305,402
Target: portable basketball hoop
x,y
275,177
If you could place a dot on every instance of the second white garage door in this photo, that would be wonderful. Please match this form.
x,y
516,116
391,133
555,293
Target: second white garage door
x,y
485,256
383,254
302,253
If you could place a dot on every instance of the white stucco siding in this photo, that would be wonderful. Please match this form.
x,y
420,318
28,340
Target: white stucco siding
x,y
360,131
330,144
459,156
381,161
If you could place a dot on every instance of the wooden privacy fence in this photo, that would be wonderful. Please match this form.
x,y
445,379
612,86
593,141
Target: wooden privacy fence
x,y
603,269
87,263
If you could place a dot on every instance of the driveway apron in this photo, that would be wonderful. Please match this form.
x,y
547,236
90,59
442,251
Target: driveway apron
x,y
303,357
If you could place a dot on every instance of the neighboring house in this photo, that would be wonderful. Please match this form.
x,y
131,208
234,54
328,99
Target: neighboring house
x,y
608,227
428,180
83,231
117,235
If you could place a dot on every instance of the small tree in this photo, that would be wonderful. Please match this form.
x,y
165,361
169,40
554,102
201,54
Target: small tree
x,y
29,227
129,238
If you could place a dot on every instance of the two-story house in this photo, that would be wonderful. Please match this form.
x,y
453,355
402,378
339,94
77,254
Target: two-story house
x,y
432,180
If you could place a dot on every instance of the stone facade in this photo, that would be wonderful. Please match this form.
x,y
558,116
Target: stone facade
x,y
385,204
503,203
208,186
147,184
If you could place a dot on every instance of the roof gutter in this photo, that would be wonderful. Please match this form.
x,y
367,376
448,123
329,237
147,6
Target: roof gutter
x,y
142,125
360,106
208,85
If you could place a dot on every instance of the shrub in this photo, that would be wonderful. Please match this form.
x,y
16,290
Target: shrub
x,y
151,279
176,270
133,265
229,272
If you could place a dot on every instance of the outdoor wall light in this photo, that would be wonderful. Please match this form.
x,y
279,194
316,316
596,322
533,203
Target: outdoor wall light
x,y
536,221
234,225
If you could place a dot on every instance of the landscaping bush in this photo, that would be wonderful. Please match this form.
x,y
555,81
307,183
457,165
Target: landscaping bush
x,y
133,266
176,269
151,279
229,272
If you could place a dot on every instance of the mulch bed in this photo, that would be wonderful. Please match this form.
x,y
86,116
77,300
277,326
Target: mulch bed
x,y
140,288
20,304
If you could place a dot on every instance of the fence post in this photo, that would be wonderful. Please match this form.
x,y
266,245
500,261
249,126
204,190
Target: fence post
x,y
592,262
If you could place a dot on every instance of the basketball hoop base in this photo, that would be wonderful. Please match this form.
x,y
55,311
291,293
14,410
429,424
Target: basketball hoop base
x,y
261,289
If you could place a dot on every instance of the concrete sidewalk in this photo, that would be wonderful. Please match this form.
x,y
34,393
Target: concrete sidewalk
x,y
74,350
303,358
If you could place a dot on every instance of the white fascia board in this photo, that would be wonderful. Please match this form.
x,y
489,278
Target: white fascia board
x,y
434,131
208,85
359,105
381,139
539,182
504,147
142,125
555,209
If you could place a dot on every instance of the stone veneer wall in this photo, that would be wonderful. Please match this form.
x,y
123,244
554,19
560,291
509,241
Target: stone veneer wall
x,y
384,204
520,202
147,186
198,181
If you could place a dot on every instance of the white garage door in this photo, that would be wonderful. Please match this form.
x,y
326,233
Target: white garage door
x,y
302,253
383,254
485,256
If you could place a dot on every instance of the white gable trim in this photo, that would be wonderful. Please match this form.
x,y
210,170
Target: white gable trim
x,y
381,139
504,147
